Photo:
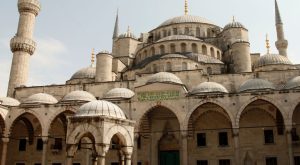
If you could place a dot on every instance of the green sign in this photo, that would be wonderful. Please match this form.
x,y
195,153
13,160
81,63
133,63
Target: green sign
x,y
157,95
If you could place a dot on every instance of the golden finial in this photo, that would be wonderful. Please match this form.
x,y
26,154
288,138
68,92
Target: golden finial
x,y
267,44
93,58
186,8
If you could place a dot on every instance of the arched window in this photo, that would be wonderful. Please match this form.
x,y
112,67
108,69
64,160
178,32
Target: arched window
x,y
194,48
172,48
162,49
198,33
186,31
175,32
145,54
168,67
184,66
204,50
208,33
212,52
165,33
154,68
209,70
218,55
183,47
152,51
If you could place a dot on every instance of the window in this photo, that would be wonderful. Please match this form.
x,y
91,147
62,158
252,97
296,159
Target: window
x,y
154,68
172,48
76,163
22,145
139,142
20,163
162,49
201,139
269,136
202,162
139,163
165,33
152,51
186,31
183,47
168,67
209,70
58,144
194,48
39,145
271,161
204,50
212,52
297,160
175,32
223,139
114,163
197,32
224,162
184,66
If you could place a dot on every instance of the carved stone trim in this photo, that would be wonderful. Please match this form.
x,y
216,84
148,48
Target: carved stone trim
x,y
32,6
22,44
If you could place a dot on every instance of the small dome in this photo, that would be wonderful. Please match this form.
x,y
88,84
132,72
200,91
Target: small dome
x,y
186,19
40,98
119,93
234,24
178,37
272,59
79,96
164,77
293,83
256,84
100,108
208,87
8,101
89,72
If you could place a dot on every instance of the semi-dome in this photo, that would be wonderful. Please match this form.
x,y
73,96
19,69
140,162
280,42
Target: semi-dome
x,y
256,84
40,98
208,87
186,19
8,101
272,59
100,108
234,24
88,72
79,96
178,37
119,93
293,83
164,77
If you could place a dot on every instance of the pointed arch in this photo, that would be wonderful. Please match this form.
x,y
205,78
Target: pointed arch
x,y
122,133
81,131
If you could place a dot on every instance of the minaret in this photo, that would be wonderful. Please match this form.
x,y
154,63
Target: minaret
x,y
281,43
22,44
116,29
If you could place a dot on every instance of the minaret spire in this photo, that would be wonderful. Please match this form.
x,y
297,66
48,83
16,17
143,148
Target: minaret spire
x,y
93,58
116,29
186,7
281,43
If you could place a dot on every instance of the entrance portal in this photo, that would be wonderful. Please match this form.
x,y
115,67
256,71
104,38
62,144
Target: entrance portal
x,y
169,158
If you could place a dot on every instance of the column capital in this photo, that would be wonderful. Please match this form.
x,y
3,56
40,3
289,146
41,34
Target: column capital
x,y
101,149
71,150
127,150
235,132
5,139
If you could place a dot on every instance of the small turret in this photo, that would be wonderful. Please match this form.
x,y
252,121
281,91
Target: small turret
x,y
281,43
104,67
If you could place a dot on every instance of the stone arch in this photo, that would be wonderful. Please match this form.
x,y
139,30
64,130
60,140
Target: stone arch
x,y
2,120
292,111
14,118
122,133
253,99
223,106
150,107
80,131
172,48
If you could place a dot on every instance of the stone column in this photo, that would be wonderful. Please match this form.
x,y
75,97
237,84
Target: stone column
x,y
135,150
101,160
128,153
101,153
128,159
290,144
71,149
22,45
69,160
122,158
184,148
236,139
45,146
4,150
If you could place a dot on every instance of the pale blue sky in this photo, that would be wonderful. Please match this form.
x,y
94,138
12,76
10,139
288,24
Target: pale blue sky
x,y
66,31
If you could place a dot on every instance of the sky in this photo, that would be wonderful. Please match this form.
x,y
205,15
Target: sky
x,y
67,31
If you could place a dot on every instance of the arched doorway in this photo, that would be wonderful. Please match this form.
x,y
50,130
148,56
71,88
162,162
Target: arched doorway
x,y
25,141
262,133
296,133
115,154
210,134
159,135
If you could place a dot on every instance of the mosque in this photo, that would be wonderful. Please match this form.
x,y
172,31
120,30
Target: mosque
x,y
188,92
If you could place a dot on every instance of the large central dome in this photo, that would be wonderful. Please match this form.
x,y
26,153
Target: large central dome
x,y
186,19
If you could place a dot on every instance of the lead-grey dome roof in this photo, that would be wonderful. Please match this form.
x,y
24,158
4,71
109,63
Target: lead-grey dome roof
x,y
186,19
100,108
178,37
234,24
8,101
79,96
40,98
256,84
208,87
164,77
272,59
88,72
119,93
293,83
